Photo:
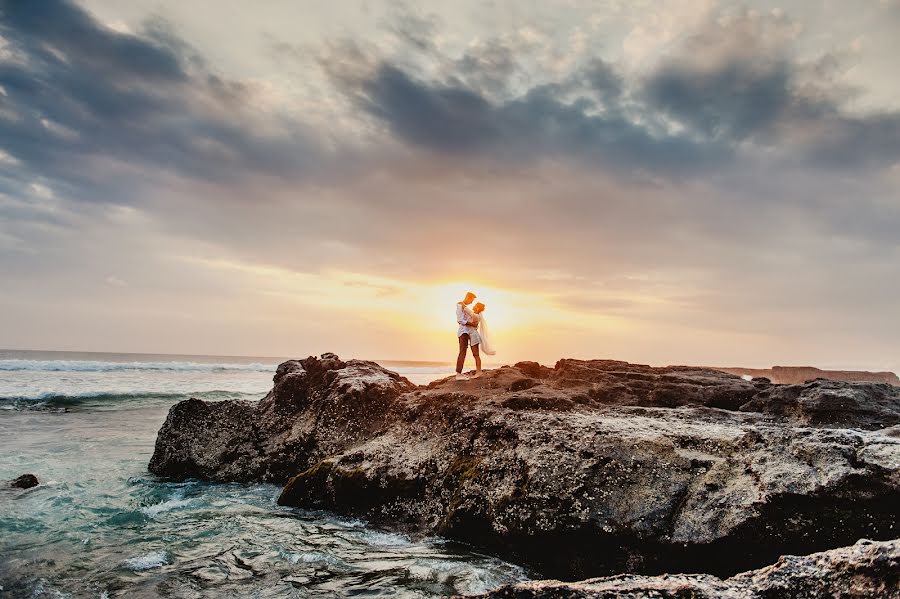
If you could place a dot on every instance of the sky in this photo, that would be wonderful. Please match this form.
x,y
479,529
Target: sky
x,y
665,182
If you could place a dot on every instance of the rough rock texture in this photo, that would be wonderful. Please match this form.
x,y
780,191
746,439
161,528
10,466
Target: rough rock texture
x,y
316,408
802,374
26,481
585,469
866,570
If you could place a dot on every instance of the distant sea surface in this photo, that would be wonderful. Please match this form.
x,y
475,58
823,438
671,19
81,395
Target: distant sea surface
x,y
100,525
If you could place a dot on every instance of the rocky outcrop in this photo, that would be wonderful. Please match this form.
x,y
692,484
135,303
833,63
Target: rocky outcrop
x,y
26,481
866,570
792,375
318,406
588,468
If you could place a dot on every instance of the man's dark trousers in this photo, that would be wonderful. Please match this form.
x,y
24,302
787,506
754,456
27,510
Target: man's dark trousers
x,y
463,348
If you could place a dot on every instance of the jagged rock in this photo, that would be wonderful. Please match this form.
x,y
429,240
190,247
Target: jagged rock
x,y
588,468
316,407
865,570
830,403
26,481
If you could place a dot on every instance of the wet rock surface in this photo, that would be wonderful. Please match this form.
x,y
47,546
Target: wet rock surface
x,y
26,481
585,469
866,570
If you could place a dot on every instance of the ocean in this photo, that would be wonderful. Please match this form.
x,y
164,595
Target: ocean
x,y
100,525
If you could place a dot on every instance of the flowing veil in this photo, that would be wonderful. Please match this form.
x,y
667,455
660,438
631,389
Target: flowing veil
x,y
487,345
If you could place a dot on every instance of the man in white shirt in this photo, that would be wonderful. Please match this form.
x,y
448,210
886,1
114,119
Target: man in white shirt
x,y
465,322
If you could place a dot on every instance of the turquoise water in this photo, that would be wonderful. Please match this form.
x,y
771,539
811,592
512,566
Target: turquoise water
x,y
100,525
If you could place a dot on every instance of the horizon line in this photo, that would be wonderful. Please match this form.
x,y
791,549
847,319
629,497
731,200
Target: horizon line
x,y
447,362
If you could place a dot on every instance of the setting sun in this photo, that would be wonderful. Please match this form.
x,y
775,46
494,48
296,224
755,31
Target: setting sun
x,y
506,310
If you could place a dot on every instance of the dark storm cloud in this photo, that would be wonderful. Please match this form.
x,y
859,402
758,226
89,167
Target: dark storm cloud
x,y
76,92
452,118
604,80
57,30
82,100
79,96
734,81
731,81
734,101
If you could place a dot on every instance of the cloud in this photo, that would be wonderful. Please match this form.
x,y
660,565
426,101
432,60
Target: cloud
x,y
83,99
731,90
721,184
454,119
736,79
80,97
733,101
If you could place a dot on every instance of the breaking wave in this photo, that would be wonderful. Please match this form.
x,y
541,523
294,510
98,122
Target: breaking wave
x,y
148,561
101,366
52,399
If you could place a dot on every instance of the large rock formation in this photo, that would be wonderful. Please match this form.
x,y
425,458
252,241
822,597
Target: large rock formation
x,y
866,570
317,408
792,375
585,469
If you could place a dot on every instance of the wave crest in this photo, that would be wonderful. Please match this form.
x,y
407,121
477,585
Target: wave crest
x,y
55,400
100,366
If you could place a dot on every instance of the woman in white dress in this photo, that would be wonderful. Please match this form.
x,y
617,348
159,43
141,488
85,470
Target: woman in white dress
x,y
479,337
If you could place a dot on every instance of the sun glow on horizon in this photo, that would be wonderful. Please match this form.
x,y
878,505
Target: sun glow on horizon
x,y
420,311
425,305
504,309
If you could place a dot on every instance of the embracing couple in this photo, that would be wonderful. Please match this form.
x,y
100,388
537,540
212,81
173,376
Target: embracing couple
x,y
472,332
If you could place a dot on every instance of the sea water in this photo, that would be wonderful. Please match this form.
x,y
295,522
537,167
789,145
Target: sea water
x,y
100,525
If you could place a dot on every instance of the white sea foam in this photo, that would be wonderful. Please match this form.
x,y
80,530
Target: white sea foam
x,y
27,382
156,509
101,366
45,395
384,539
310,557
148,561
42,588
76,396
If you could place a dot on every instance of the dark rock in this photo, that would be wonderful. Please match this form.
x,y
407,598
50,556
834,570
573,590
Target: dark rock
x,y
522,384
534,370
864,570
317,407
26,481
828,403
598,467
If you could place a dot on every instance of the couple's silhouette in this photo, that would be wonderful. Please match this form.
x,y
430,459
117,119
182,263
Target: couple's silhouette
x,y
472,332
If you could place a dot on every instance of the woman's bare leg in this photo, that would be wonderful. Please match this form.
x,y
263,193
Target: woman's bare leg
x,y
477,355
